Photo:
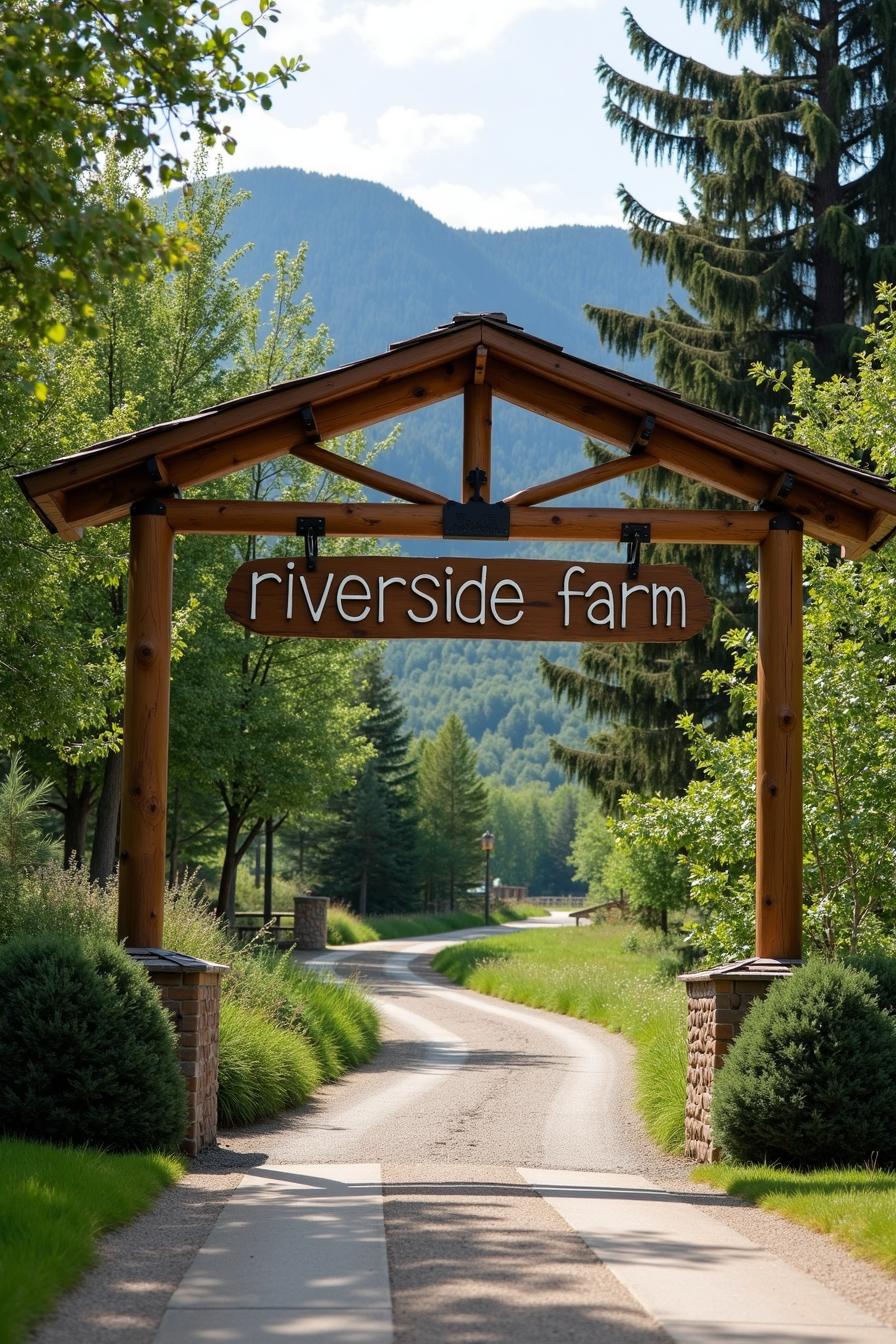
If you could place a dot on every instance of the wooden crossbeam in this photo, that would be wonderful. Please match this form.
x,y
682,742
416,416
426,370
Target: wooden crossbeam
x,y
233,517
365,475
580,480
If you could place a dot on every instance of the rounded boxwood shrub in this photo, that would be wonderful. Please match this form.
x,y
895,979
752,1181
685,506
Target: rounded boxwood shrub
x,y
811,1079
87,1052
882,970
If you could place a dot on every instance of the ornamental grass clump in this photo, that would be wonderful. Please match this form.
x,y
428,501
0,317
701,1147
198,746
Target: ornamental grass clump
x,y
87,1053
811,1079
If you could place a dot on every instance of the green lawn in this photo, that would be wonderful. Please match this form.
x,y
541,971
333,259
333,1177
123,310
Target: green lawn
x,y
54,1203
854,1206
344,927
604,973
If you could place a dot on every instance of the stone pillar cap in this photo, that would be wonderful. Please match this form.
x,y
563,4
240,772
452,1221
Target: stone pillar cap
x,y
753,968
157,959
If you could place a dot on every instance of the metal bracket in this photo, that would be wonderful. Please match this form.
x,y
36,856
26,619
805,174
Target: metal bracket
x,y
632,535
642,438
476,519
311,529
777,495
308,422
476,478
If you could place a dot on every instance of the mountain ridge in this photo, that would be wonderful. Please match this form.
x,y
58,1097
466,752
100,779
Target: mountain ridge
x,y
380,269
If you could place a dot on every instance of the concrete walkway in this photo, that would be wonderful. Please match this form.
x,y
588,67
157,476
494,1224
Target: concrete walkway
x,y
301,1253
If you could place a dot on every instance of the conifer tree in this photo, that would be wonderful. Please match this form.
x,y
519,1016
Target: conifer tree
x,y
793,220
367,852
453,804
636,692
793,179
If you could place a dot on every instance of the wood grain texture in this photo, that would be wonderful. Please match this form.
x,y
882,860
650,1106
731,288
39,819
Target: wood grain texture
x,y
581,480
277,518
141,870
477,445
398,597
779,749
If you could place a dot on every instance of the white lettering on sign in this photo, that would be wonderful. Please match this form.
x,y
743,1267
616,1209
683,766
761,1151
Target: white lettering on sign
x,y
256,580
517,599
343,596
658,590
400,597
427,597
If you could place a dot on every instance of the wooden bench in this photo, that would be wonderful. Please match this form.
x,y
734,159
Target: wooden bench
x,y
586,910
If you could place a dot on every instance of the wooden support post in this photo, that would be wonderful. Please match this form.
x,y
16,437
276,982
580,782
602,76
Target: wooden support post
x,y
141,873
477,437
779,743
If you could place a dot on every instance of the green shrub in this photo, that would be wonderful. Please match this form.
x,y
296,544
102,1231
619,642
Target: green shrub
x,y
811,1079
338,1024
87,1053
882,970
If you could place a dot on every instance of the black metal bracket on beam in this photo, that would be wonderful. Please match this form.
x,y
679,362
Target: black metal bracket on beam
x,y
632,535
785,522
777,495
642,438
308,422
311,529
476,519
150,507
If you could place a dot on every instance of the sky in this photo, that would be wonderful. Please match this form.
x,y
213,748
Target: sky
x,y
487,113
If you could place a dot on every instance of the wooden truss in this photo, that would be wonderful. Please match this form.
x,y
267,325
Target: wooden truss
x,y
478,357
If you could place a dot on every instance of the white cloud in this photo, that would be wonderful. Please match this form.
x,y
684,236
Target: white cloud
x,y
402,32
401,136
466,207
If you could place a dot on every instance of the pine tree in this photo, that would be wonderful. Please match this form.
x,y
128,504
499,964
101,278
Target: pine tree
x,y
793,177
367,853
453,803
636,692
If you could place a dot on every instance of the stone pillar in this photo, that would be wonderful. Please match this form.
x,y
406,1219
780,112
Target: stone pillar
x,y
310,927
718,1001
191,991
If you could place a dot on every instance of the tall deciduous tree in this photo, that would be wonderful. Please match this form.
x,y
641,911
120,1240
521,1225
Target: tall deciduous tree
x,y
453,810
849,877
793,177
80,79
367,851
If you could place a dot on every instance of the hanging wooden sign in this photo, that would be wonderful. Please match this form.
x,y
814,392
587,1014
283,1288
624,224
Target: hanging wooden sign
x,y
399,597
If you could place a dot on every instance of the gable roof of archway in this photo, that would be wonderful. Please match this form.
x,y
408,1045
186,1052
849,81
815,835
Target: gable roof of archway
x,y
837,502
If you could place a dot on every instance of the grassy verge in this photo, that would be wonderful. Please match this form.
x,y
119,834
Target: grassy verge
x,y
854,1206
283,1029
345,927
602,974
54,1203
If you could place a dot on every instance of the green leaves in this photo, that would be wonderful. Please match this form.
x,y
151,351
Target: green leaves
x,y
77,79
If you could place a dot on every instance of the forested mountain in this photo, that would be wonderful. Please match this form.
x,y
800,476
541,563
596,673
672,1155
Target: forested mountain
x,y
380,269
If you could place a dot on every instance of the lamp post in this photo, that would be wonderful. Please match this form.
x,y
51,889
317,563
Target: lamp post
x,y
487,844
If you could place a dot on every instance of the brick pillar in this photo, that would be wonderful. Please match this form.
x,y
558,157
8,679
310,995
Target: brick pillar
x,y
718,1001
191,991
310,927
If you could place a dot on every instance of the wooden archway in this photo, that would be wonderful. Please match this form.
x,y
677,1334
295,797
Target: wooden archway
x,y
478,357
